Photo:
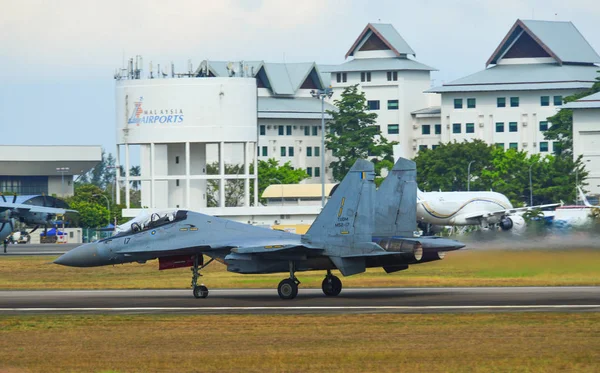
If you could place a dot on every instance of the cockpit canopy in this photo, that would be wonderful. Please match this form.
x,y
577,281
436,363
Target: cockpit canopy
x,y
150,219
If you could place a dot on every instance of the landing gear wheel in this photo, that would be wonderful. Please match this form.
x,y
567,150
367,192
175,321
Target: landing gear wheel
x,y
200,291
332,286
287,289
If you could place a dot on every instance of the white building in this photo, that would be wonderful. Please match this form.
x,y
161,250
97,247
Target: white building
x,y
393,83
47,169
586,137
507,104
174,123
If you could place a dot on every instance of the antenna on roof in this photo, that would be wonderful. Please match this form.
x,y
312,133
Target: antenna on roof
x,y
151,72
172,69
190,67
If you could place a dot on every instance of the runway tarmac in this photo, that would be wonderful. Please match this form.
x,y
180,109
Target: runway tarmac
x,y
263,301
38,249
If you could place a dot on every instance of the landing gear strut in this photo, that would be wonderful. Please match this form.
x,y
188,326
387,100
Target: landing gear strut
x,y
288,288
331,285
200,291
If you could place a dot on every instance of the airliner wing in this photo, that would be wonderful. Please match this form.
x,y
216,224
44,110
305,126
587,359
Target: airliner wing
x,y
488,214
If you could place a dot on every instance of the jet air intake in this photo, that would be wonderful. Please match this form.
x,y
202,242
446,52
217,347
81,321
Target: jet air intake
x,y
413,250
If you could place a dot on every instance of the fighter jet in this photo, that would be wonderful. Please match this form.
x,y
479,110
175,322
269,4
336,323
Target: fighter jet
x,y
340,238
31,210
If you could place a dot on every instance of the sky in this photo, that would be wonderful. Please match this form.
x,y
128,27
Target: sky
x,y
58,58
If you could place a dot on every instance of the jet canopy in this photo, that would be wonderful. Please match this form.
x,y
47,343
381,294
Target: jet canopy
x,y
150,219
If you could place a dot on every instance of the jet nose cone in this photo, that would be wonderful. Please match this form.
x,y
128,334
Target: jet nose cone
x,y
85,255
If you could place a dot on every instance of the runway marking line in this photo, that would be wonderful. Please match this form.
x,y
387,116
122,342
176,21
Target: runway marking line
x,y
298,308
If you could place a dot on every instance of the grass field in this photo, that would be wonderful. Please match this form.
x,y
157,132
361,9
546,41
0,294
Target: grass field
x,y
531,342
460,268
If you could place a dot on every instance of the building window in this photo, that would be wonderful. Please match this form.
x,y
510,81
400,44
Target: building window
x,y
265,151
422,147
288,130
393,129
258,150
513,145
344,77
456,128
176,160
309,151
545,100
500,127
306,131
558,101
433,147
291,151
176,182
315,131
471,103
426,129
365,77
341,77
470,128
317,151
544,146
438,129
500,145
309,171
283,151
392,104
263,130
514,102
378,128
280,129
458,103
544,126
317,171
501,102
373,105
392,76
512,127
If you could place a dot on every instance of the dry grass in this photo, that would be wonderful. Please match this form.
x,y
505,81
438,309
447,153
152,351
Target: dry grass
x,y
531,342
461,268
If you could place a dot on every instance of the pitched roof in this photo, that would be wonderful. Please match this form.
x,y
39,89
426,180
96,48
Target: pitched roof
x,y
524,77
559,40
587,102
379,64
387,34
283,78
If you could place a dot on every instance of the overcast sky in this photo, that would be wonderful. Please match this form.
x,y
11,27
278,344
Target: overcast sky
x,y
57,58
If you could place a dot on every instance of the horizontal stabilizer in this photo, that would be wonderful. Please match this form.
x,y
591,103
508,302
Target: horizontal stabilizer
x,y
395,268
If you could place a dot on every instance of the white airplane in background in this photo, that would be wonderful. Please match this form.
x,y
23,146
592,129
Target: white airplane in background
x,y
470,208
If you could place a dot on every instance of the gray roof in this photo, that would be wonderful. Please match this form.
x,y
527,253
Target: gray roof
x,y
432,110
565,40
561,40
587,102
302,108
388,34
523,77
283,78
379,64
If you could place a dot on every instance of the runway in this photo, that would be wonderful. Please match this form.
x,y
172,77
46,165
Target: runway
x,y
38,249
266,301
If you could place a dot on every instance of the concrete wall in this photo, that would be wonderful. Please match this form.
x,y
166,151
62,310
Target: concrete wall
x,y
586,142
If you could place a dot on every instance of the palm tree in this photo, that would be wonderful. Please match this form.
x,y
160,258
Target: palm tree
x,y
135,171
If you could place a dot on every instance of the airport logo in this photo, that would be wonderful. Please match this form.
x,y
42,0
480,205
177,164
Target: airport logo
x,y
140,114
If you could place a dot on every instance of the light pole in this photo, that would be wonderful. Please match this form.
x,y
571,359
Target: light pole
x,y
530,187
107,205
63,171
321,94
469,177
116,168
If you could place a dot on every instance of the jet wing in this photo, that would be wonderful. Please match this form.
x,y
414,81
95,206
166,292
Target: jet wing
x,y
487,214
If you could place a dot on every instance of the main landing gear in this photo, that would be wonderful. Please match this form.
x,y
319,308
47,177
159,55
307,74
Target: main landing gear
x,y
288,288
200,291
331,285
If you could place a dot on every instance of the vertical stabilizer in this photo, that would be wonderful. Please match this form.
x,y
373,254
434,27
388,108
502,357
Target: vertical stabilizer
x,y
396,201
347,218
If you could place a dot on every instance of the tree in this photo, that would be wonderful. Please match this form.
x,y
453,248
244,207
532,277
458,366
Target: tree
x,y
135,171
92,207
562,122
353,135
234,189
